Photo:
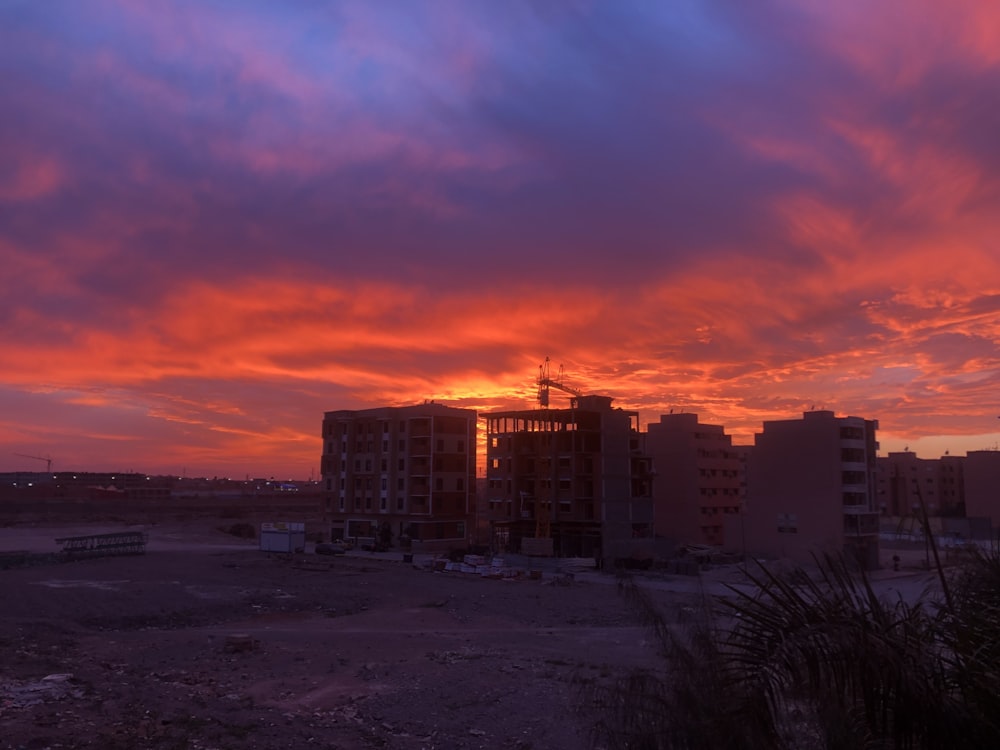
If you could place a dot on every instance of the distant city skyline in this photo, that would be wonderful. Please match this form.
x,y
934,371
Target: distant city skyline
x,y
219,221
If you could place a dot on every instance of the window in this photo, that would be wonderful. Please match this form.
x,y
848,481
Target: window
x,y
440,446
460,484
439,484
788,523
402,464
400,484
461,446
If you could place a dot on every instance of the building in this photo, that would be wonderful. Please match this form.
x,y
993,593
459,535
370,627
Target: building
x,y
811,489
698,479
577,479
904,479
400,475
951,486
982,486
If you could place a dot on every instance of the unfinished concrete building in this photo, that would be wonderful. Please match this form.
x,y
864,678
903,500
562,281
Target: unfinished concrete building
x,y
570,482
401,475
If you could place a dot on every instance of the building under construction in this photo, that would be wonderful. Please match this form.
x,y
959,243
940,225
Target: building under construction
x,y
573,482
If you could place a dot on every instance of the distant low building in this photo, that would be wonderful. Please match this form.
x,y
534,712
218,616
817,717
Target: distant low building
x,y
402,475
811,489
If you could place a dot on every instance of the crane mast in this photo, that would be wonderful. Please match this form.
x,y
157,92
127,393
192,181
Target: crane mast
x,y
546,381
48,461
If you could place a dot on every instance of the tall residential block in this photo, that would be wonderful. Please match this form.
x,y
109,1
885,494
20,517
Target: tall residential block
x,y
811,489
405,475
577,476
698,479
982,486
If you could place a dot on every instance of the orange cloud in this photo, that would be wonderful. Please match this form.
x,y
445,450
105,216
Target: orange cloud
x,y
782,343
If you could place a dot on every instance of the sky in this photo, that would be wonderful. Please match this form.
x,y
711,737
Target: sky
x,y
221,218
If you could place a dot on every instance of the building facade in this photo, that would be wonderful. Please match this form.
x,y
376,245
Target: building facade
x,y
400,475
904,480
698,479
811,489
982,487
578,477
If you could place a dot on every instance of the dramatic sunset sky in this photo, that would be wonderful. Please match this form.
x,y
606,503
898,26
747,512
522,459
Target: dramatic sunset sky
x,y
221,218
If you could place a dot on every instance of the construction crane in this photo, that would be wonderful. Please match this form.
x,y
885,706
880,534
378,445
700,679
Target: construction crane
x,y
48,461
546,381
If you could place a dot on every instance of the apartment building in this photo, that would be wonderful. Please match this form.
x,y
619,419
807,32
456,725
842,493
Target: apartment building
x,y
698,479
401,475
903,479
811,489
982,486
578,476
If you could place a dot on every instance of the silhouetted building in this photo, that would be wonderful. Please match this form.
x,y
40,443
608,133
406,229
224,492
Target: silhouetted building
x,y
400,475
903,479
811,489
575,476
698,478
982,486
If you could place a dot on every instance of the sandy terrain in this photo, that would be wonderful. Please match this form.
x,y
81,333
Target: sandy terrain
x,y
131,652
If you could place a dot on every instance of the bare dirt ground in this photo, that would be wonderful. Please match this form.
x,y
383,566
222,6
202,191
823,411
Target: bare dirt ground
x,y
360,651
135,652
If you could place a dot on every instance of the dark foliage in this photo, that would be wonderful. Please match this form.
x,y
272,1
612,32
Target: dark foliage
x,y
818,662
